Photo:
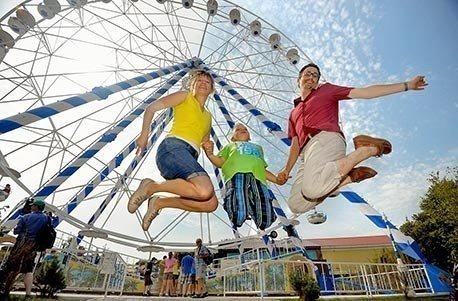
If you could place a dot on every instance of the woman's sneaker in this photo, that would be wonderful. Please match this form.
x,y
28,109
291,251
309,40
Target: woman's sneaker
x,y
139,196
150,214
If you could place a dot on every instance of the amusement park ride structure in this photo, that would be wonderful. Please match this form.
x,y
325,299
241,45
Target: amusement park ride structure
x,y
75,76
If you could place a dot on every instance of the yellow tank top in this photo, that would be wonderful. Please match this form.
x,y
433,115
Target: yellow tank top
x,y
189,122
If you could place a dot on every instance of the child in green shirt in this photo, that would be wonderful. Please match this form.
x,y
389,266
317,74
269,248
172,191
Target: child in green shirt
x,y
244,172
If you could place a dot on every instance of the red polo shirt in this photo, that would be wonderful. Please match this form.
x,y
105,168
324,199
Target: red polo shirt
x,y
319,111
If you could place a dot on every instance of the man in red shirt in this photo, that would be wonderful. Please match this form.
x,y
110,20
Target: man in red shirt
x,y
318,140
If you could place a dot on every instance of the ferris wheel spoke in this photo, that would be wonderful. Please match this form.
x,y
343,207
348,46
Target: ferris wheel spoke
x,y
99,44
228,46
127,36
180,36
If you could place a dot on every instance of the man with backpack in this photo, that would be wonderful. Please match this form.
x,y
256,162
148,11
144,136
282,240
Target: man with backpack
x,y
22,256
202,256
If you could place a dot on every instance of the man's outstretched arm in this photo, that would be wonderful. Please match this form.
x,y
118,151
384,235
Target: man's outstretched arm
x,y
417,83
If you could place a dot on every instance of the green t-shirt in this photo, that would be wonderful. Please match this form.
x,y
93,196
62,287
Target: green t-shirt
x,y
243,157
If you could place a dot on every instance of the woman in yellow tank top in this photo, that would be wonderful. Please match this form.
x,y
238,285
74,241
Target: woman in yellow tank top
x,y
177,154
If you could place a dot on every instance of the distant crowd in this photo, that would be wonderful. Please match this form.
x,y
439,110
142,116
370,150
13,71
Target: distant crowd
x,y
179,274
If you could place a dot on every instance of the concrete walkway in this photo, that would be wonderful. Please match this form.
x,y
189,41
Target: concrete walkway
x,y
209,298
92,297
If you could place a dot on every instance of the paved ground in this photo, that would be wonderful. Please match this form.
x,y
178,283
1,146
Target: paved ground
x,y
89,297
209,298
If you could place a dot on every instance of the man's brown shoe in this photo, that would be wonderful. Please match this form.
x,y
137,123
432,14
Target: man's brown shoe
x,y
384,146
361,173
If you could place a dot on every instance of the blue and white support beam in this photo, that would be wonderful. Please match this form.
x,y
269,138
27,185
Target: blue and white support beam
x,y
97,93
403,243
160,123
114,163
106,138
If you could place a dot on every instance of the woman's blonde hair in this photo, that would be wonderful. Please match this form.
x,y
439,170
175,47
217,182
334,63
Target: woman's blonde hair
x,y
194,75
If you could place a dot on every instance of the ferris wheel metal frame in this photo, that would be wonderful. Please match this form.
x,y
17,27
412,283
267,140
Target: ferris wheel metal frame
x,y
57,58
233,22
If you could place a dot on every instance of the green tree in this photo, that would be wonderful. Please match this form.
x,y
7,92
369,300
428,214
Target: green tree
x,y
305,286
435,228
131,284
50,278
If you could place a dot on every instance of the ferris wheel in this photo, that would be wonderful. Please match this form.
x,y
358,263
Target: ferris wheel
x,y
75,76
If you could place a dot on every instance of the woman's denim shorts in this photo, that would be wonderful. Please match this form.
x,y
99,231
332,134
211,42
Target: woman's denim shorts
x,y
176,159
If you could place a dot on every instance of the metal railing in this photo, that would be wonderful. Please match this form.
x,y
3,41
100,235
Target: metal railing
x,y
252,272
86,268
263,277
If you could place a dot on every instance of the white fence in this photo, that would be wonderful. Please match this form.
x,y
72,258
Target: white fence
x,y
91,269
266,277
86,267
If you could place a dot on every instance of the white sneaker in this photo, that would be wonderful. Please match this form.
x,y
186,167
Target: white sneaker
x,y
139,196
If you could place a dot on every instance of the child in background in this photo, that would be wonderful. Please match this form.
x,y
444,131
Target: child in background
x,y
5,192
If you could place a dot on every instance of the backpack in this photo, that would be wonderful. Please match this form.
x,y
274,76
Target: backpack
x,y
208,259
46,236
154,272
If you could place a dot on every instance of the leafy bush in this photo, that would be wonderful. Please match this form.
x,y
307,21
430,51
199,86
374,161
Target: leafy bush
x,y
305,286
50,278
435,228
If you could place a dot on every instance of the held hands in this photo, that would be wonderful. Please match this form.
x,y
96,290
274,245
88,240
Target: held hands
x,y
281,181
142,140
282,177
417,83
208,147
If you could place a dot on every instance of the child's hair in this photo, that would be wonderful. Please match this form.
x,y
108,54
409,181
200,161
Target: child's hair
x,y
233,131
194,75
